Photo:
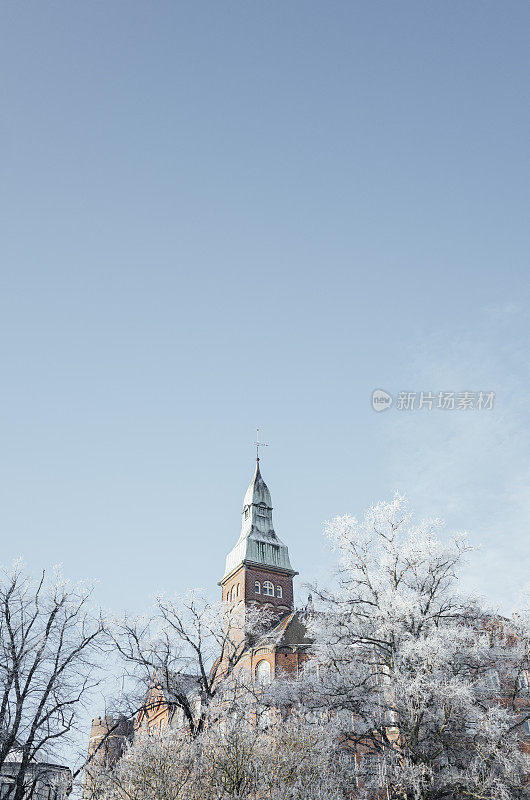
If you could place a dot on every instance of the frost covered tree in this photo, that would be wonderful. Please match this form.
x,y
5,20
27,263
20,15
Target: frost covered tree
x,y
413,692
158,767
189,652
275,759
51,642
243,758
429,690
302,759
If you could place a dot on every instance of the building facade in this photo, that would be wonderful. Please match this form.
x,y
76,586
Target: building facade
x,y
257,575
42,781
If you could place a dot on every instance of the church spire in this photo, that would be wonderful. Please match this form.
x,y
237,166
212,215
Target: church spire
x,y
258,543
257,507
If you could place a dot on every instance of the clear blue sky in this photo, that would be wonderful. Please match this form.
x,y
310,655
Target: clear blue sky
x,y
218,215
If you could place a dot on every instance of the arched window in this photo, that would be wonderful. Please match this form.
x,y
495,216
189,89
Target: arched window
x,y
263,673
257,588
237,590
233,593
268,588
279,591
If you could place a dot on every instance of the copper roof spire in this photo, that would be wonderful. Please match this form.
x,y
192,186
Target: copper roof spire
x,y
258,543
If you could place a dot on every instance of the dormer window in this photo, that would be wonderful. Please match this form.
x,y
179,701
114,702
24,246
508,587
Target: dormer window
x,y
262,511
247,512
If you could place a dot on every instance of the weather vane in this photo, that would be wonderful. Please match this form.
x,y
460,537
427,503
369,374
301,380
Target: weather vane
x,y
258,444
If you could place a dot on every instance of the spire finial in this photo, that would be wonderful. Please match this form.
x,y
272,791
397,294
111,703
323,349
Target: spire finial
x,y
258,445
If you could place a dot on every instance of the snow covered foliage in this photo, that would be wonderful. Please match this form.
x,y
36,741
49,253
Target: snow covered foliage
x,y
188,652
154,767
238,760
427,687
412,691
52,643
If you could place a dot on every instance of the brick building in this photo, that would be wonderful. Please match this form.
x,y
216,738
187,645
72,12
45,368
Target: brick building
x,y
43,780
258,572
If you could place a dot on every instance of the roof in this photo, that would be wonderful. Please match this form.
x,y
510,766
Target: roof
x,y
179,683
289,632
258,544
15,757
258,491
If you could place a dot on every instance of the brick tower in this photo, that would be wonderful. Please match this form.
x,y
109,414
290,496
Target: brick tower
x,y
258,570
108,739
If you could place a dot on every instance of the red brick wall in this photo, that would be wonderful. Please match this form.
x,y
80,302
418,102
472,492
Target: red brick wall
x,y
281,663
263,574
289,663
246,577
238,578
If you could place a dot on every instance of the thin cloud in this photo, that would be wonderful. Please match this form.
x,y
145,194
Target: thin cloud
x,y
501,311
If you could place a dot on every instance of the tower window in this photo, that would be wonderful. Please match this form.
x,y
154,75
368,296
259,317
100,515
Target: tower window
x,y
262,511
257,587
279,591
268,589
